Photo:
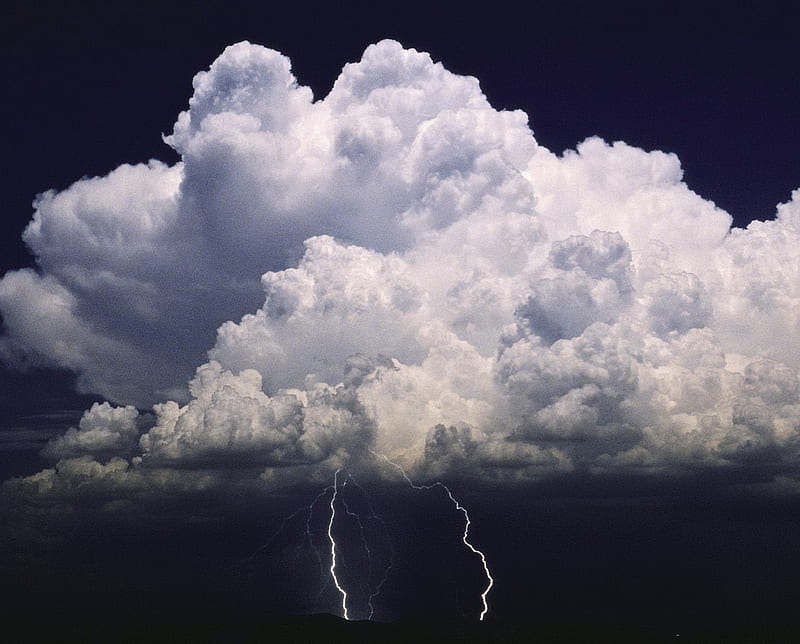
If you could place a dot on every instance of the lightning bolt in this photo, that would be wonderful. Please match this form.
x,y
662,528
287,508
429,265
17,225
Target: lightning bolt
x,y
337,498
337,502
379,587
309,536
465,539
467,524
357,517
336,583
365,542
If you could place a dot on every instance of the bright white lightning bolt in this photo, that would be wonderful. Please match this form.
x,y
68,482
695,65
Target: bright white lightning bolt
x,y
335,496
331,575
467,524
339,587
464,538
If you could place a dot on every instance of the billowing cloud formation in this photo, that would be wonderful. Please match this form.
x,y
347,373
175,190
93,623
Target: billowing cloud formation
x,y
231,418
433,285
103,429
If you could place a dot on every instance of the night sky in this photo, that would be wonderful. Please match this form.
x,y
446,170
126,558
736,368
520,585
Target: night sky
x,y
586,340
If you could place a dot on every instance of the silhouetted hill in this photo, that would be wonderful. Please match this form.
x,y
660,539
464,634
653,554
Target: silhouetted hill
x,y
332,630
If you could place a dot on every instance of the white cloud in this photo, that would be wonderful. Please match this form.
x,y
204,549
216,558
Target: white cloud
x,y
339,301
231,422
399,265
102,430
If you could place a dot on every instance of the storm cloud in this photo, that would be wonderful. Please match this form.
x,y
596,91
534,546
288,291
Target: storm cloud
x,y
398,266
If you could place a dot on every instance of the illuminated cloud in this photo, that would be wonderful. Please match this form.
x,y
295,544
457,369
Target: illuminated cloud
x,y
399,265
102,430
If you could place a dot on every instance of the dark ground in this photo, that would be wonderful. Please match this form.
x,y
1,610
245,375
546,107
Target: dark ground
x,y
332,629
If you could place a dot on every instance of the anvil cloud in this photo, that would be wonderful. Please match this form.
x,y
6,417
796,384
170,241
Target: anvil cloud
x,y
399,265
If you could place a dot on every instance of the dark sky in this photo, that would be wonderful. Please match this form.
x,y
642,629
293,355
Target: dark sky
x,y
94,85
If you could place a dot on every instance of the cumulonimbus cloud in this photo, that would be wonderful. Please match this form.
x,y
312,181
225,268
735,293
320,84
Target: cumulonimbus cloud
x,y
402,267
